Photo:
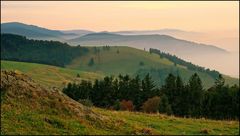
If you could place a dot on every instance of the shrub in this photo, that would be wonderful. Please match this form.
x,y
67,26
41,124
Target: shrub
x,y
151,105
126,105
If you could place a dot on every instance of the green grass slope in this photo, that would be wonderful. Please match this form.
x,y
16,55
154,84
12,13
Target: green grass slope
x,y
127,61
49,75
27,108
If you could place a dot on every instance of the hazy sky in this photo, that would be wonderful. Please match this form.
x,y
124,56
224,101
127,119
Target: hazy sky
x,y
114,16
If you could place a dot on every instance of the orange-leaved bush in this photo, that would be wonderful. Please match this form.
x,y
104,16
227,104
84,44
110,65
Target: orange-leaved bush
x,y
126,105
151,105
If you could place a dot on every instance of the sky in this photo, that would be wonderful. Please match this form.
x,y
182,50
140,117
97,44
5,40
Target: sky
x,y
120,15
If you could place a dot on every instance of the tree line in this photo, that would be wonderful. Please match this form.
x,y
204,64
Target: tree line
x,y
173,98
19,48
189,65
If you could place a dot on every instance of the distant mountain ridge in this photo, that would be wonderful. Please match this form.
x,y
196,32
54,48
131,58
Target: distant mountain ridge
x,y
78,32
164,31
32,31
163,42
75,36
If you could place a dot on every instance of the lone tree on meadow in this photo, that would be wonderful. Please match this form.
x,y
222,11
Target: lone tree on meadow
x,y
91,62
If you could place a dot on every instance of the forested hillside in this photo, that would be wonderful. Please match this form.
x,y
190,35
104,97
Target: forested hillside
x,y
173,98
19,48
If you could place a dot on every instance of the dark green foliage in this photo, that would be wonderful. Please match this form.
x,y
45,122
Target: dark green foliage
x,y
91,62
221,101
96,50
2,93
196,93
107,47
179,61
109,91
164,106
18,48
116,105
78,91
174,91
148,88
219,81
169,89
174,97
175,64
136,92
141,63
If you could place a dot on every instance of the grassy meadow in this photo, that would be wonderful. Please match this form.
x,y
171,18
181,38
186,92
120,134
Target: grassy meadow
x,y
50,76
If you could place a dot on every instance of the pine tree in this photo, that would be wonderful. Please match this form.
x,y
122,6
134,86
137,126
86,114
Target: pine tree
x,y
179,98
164,106
169,88
135,92
219,81
196,94
148,87
91,62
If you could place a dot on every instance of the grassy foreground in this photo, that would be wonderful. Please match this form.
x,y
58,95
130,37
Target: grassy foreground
x,y
27,108
170,125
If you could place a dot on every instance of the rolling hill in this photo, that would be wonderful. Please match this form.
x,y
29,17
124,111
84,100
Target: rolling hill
x,y
29,108
126,60
49,76
34,32
201,54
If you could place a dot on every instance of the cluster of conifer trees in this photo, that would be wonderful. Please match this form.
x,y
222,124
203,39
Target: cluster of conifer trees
x,y
19,48
174,97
